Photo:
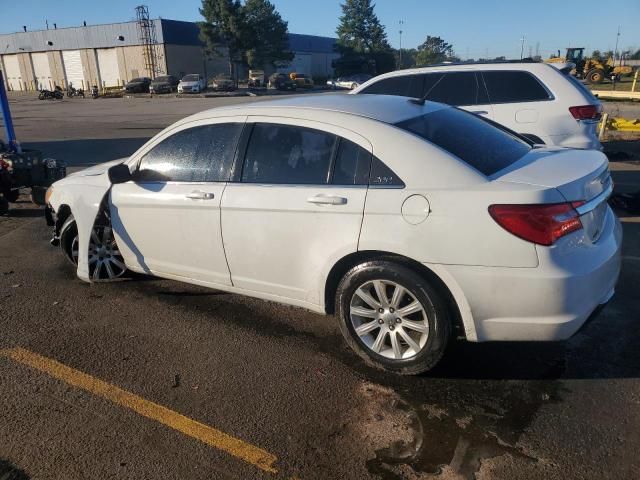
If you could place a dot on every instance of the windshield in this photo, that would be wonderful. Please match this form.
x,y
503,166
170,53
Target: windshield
x,y
162,79
190,78
477,142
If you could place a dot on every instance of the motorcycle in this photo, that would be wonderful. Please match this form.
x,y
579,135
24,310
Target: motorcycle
x,y
75,92
48,94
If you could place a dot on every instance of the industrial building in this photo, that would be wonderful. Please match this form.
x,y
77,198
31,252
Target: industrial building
x,y
112,54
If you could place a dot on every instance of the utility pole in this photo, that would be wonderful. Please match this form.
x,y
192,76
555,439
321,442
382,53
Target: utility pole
x,y
615,52
522,47
401,23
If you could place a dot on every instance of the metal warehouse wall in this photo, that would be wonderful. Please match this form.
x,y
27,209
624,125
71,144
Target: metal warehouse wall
x,y
75,38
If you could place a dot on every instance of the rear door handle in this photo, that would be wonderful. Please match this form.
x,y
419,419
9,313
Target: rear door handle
x,y
327,200
479,112
200,195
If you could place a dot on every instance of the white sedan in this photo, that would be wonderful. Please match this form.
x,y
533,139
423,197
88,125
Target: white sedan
x,y
411,222
192,83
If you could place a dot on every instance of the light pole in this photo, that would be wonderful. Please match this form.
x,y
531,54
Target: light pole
x,y
615,52
522,47
401,23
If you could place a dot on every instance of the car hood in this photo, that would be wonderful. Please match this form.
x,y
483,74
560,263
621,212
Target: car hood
x,y
134,84
97,169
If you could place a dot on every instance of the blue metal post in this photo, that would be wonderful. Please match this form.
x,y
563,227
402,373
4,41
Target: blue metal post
x,y
6,117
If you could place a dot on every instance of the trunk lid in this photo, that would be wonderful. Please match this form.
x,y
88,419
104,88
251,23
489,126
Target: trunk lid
x,y
579,175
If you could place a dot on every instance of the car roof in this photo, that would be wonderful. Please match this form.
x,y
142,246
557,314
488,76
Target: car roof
x,y
527,66
384,108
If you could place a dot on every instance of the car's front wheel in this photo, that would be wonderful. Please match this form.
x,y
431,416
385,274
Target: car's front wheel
x,y
392,317
105,260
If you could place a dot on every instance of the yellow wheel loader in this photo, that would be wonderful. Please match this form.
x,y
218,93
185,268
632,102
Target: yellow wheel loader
x,y
591,69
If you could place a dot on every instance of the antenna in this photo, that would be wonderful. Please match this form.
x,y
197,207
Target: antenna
x,y
147,37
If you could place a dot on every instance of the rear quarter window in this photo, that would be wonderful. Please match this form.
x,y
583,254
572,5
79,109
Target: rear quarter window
x,y
514,86
475,141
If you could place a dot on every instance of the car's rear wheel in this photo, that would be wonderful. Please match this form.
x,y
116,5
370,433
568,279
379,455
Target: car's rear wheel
x,y
105,260
392,317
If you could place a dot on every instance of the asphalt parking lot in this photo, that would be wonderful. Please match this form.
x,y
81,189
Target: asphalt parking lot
x,y
149,378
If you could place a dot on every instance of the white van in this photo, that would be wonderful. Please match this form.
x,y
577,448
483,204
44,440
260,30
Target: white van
x,y
534,99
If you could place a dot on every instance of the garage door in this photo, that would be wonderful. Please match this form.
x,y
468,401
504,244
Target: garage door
x,y
73,68
12,72
41,70
302,63
108,66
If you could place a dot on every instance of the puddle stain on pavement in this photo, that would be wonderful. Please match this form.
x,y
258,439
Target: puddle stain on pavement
x,y
457,438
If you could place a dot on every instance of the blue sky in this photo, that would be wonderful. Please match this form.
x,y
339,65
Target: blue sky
x,y
475,28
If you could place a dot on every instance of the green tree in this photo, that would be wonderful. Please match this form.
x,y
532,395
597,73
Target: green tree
x,y
596,54
362,40
360,29
222,28
636,55
267,39
433,50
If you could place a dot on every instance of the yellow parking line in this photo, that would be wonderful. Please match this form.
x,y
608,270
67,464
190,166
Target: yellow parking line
x,y
211,436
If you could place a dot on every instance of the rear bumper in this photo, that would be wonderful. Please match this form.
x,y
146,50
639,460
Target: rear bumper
x,y
550,302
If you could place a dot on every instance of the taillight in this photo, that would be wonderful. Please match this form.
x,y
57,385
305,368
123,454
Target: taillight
x,y
542,223
586,112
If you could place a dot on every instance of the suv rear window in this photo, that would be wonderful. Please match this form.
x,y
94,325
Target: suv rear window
x,y
512,86
474,140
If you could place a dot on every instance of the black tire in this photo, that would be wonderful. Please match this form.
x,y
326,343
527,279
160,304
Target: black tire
x,y
595,76
68,233
41,96
37,195
13,195
434,308
4,205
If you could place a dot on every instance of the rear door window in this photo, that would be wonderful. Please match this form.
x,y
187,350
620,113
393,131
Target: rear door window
x,y
513,87
398,86
352,164
286,154
475,141
458,88
198,154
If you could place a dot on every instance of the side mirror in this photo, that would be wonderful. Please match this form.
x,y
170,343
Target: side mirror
x,y
119,174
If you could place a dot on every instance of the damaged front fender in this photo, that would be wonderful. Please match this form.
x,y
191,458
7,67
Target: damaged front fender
x,y
84,193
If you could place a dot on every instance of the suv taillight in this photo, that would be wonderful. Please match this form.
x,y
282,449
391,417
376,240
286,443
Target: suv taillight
x,y
543,224
586,112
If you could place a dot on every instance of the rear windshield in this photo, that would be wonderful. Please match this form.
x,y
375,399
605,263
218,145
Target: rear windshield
x,y
583,88
475,141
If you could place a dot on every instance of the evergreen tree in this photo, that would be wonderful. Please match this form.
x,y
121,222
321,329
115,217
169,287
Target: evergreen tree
x,y
222,28
267,38
362,40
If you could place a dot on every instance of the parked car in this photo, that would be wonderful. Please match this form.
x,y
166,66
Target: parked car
x,y
411,222
350,82
192,83
223,83
164,84
302,80
256,79
282,81
535,99
138,85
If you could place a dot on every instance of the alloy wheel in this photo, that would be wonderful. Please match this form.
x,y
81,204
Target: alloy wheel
x,y
389,319
105,260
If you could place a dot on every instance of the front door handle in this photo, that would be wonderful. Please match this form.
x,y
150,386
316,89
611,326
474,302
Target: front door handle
x,y
200,195
327,200
479,112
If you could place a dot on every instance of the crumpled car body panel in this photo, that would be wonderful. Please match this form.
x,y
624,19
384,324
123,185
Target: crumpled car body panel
x,y
84,193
